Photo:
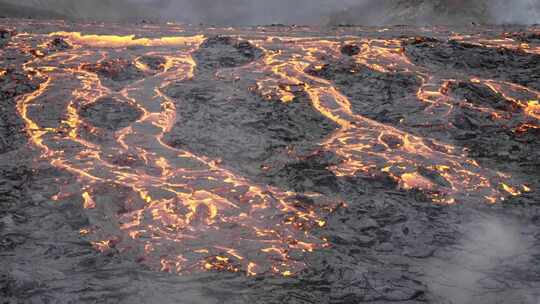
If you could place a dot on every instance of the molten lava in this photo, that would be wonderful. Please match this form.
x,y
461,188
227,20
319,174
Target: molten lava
x,y
180,212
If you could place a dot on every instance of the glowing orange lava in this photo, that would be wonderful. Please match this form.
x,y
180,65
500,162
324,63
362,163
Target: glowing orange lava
x,y
211,218
183,212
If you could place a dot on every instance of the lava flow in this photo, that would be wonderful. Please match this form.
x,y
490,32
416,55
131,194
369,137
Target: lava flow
x,y
104,113
206,216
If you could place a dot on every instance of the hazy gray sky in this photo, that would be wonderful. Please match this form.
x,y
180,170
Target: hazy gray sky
x,y
255,11
317,11
251,12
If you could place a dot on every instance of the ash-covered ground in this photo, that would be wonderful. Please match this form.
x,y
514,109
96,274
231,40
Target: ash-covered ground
x,y
172,164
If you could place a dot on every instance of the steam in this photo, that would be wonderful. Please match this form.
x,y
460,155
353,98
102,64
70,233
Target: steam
x,y
254,12
361,12
516,11
309,12
474,270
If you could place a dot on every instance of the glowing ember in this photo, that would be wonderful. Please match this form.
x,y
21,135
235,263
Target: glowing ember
x,y
415,181
88,201
533,109
510,190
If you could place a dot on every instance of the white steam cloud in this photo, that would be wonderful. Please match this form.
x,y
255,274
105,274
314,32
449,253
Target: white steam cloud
x,y
475,271
516,11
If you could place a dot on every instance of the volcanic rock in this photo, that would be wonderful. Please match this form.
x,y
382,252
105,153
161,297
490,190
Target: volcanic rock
x,y
230,122
225,52
372,93
5,36
524,36
119,71
59,44
308,175
350,49
481,95
493,63
156,63
110,113
373,241
13,83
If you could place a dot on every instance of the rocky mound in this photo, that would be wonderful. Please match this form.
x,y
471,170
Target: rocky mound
x,y
496,63
230,120
111,114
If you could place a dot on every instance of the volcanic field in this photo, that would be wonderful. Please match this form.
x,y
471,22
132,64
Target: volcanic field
x,y
151,163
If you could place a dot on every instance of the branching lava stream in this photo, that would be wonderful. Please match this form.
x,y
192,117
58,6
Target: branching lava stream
x,y
218,219
104,113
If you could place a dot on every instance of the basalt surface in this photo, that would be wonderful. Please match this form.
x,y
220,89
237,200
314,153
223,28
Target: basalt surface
x,y
169,164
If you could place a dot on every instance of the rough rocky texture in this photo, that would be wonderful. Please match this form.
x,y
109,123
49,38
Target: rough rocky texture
x,y
218,118
225,52
11,132
385,244
481,95
350,49
110,113
525,37
59,44
156,63
14,83
498,63
392,97
384,97
505,140
116,73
